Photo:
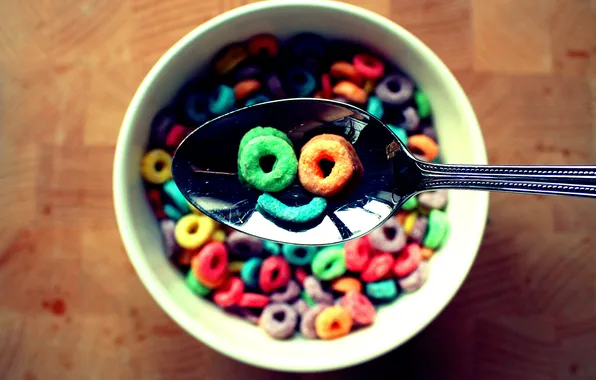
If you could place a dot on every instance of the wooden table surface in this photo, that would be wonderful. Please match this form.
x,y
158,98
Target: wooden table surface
x,y
71,306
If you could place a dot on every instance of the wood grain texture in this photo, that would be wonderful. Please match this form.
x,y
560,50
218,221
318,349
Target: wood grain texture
x,y
71,306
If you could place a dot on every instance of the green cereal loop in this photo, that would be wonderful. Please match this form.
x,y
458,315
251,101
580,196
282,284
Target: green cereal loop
x,y
298,214
410,204
262,131
284,169
272,247
329,263
422,104
256,132
438,225
309,301
194,285
385,290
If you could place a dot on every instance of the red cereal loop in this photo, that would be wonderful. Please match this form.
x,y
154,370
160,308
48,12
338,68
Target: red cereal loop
x,y
326,89
274,274
359,307
156,203
210,265
300,275
358,254
369,66
378,267
253,300
185,257
175,136
408,260
263,44
230,293
345,70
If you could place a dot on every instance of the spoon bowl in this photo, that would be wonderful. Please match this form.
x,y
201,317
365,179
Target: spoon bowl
x,y
205,169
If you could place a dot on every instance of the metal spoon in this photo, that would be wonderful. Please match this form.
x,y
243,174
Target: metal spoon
x,y
205,170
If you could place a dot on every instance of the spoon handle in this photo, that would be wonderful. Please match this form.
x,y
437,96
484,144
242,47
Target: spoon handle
x,y
577,181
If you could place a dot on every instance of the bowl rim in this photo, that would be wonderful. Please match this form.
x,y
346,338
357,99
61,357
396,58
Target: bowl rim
x,y
126,228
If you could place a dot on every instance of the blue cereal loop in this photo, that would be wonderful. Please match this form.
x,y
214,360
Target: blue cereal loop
x,y
195,108
176,196
271,247
250,272
299,255
400,132
256,100
382,290
172,212
300,83
221,100
375,107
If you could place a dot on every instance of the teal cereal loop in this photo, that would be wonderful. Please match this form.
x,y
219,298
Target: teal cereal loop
x,y
438,227
375,107
250,272
309,301
194,285
385,290
299,255
400,132
221,100
298,214
172,212
272,247
176,196
411,204
329,263
283,172
422,104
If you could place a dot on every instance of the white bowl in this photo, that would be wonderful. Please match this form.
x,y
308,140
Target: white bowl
x,y
460,141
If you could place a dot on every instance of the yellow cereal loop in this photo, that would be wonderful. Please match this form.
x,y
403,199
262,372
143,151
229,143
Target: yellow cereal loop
x,y
156,166
235,266
409,222
219,235
192,231
369,86
231,57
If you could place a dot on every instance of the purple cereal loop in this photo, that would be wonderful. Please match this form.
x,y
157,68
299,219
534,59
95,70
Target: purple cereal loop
x,y
419,229
247,72
244,245
307,324
167,227
433,199
313,288
300,306
411,119
274,86
243,313
279,320
430,132
290,293
160,127
390,237
395,89
416,279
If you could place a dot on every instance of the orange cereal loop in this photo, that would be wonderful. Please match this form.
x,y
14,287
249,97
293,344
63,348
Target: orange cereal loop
x,y
350,91
246,87
230,57
358,168
265,44
401,217
311,174
424,145
426,253
333,322
345,70
346,284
